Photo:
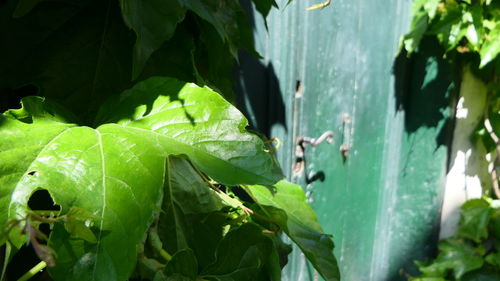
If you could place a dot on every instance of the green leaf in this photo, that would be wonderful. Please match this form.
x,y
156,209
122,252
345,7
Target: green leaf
x,y
210,127
182,265
286,205
494,226
455,255
189,191
154,22
279,259
78,222
76,52
229,20
474,220
491,46
212,60
117,172
189,215
446,21
37,109
483,274
24,6
241,255
412,40
175,57
493,259
264,6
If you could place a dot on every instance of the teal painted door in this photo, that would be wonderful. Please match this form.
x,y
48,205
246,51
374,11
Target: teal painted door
x,y
377,188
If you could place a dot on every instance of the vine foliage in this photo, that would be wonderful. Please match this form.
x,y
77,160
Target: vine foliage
x,y
469,32
113,109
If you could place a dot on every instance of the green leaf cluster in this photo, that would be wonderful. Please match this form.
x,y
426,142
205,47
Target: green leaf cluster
x,y
155,189
81,52
469,33
464,26
149,177
474,252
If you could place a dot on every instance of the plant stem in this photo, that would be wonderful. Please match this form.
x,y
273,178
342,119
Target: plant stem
x,y
5,260
165,255
33,271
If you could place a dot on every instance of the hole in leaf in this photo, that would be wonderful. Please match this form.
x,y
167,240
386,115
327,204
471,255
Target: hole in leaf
x,y
41,200
32,173
45,228
242,194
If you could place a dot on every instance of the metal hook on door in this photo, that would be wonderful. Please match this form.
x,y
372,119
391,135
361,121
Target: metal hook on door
x,y
298,167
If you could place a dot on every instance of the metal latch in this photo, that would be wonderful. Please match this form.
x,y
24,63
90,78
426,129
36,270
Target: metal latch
x,y
298,167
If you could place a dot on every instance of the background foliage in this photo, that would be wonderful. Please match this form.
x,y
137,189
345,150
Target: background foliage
x,y
81,52
473,253
469,32
112,169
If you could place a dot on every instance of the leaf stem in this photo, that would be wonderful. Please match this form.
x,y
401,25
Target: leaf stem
x,y
33,271
5,260
164,254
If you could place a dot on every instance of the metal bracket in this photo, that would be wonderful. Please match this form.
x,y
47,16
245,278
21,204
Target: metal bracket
x,y
298,167
346,136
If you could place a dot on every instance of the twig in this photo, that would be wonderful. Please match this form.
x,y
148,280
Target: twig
x,y
494,137
33,271
320,5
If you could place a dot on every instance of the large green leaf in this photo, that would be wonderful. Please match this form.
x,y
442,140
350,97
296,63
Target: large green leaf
x,y
117,171
210,127
285,203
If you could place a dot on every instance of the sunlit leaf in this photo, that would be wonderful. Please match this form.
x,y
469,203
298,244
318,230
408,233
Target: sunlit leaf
x,y
285,203
117,172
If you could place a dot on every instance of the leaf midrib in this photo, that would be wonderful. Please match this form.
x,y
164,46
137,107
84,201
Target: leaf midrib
x,y
193,147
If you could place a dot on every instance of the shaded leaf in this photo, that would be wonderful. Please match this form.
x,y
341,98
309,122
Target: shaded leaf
x,y
241,255
285,203
494,226
493,259
264,6
24,6
182,265
457,256
154,22
189,191
482,274
76,52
